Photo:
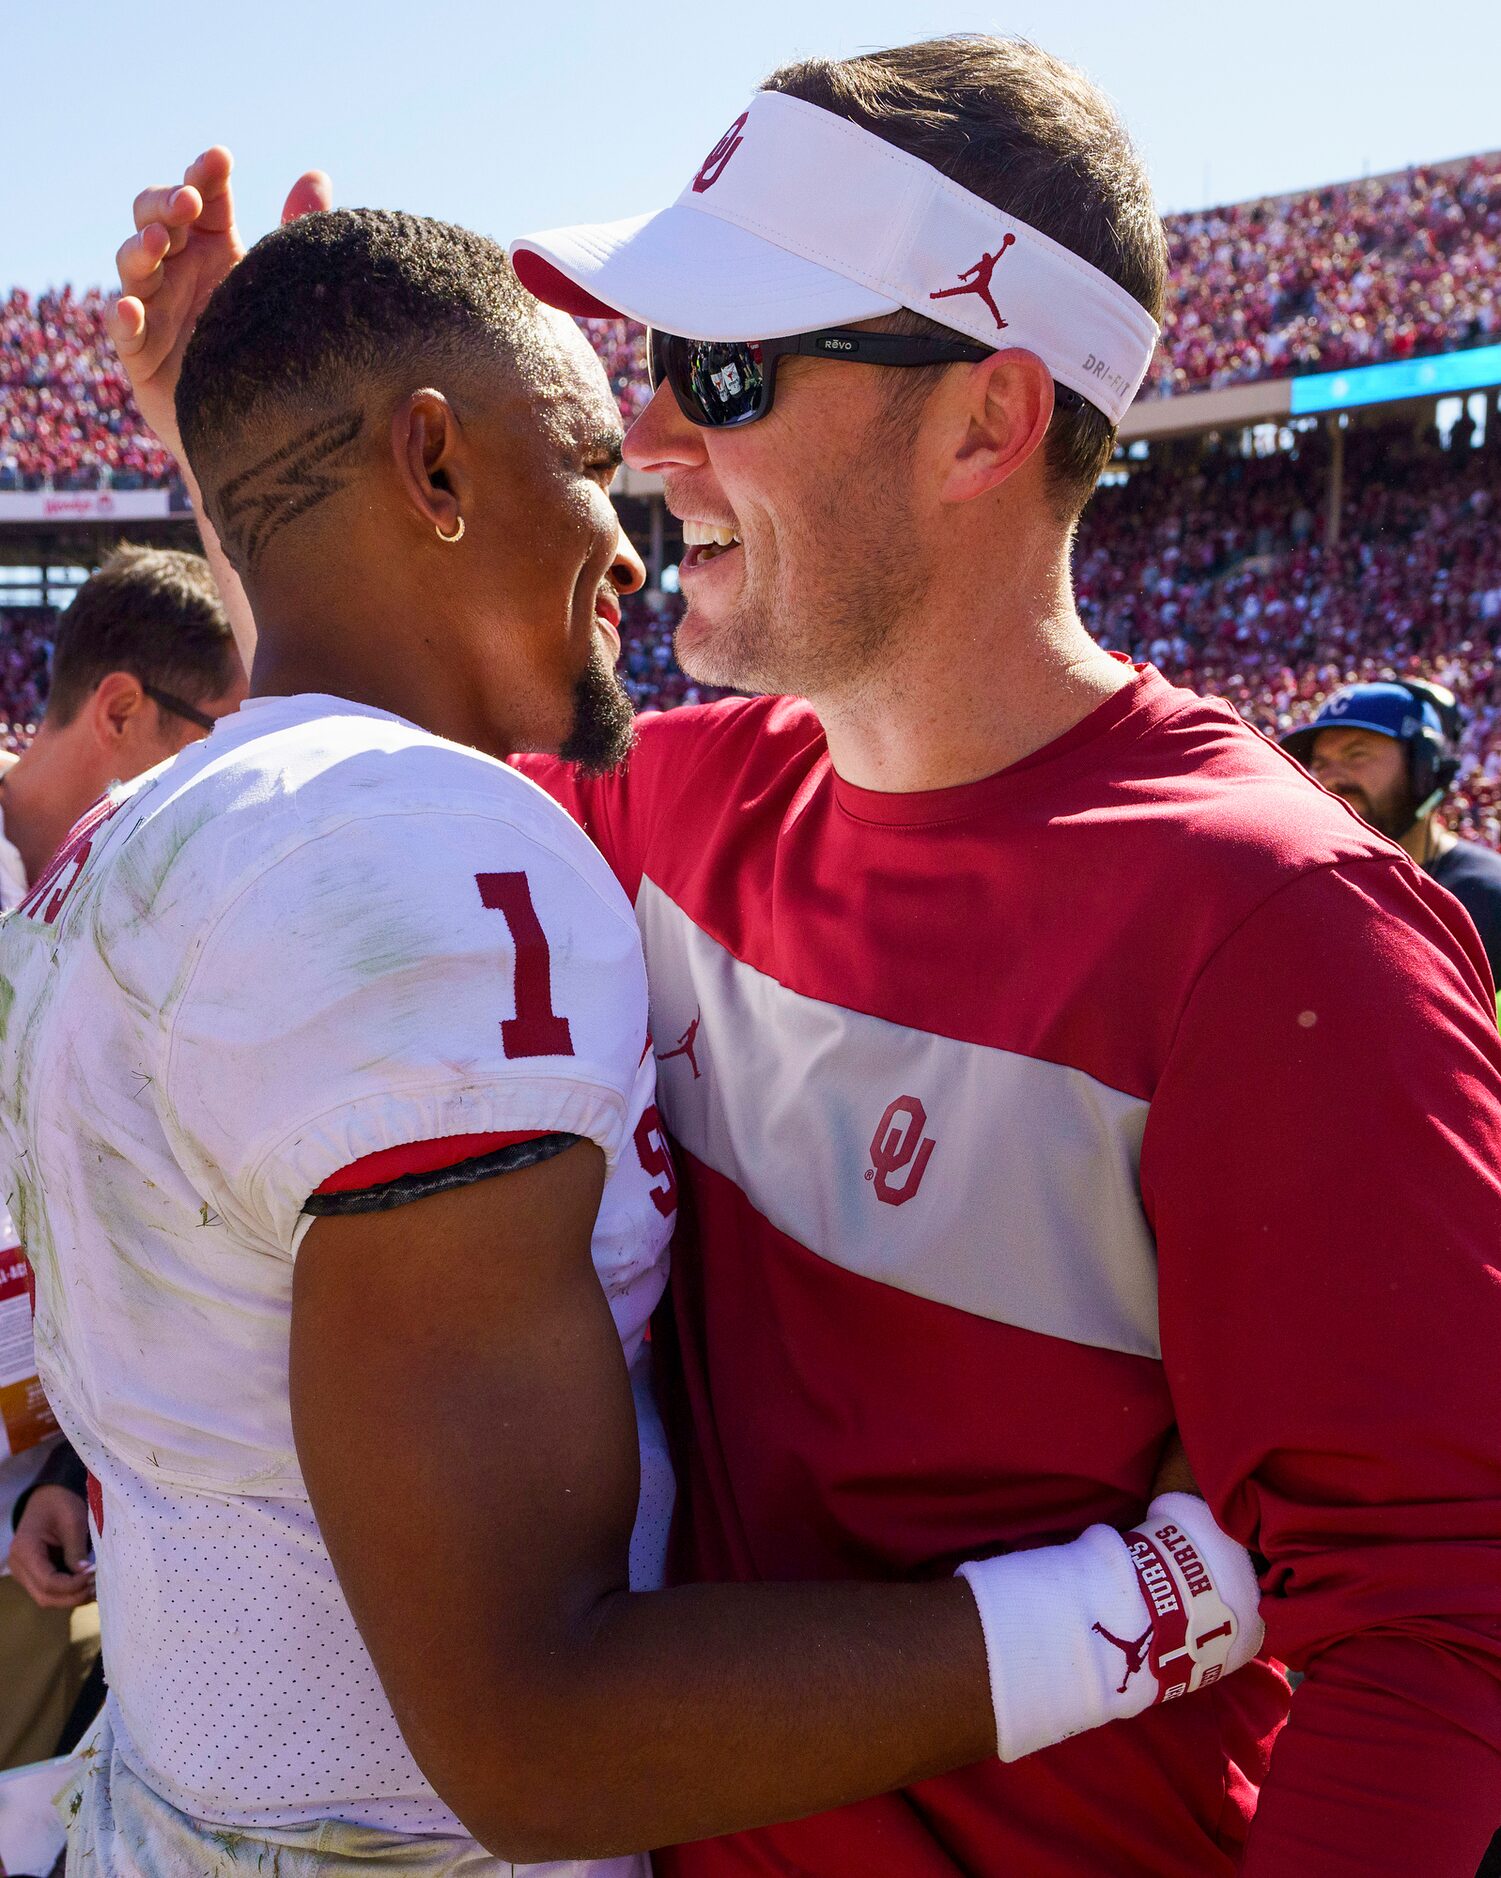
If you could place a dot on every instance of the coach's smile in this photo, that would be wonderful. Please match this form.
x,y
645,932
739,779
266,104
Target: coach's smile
x,y
705,542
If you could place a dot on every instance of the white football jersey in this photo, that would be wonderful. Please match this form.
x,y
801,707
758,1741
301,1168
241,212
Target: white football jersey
x,y
318,935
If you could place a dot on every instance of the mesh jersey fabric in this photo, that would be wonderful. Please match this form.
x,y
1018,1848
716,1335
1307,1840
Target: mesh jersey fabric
x,y
280,954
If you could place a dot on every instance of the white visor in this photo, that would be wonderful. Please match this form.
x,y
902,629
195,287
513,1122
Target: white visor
x,y
799,219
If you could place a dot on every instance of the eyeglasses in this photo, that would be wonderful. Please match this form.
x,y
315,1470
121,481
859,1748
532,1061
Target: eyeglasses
x,y
179,707
723,383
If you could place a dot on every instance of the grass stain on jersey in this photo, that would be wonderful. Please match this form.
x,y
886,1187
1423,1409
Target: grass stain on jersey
x,y
137,885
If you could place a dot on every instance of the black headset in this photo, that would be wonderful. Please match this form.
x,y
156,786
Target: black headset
x,y
1431,762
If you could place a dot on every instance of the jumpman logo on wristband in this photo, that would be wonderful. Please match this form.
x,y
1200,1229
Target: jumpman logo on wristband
x,y
1134,1653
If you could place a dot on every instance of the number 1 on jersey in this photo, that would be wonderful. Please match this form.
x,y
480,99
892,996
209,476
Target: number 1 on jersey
x,y
536,1029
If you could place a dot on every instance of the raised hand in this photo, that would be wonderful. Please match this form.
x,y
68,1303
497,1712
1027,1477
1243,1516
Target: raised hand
x,y
185,243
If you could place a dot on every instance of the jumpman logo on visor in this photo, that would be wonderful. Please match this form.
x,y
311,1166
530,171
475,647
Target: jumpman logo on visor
x,y
976,280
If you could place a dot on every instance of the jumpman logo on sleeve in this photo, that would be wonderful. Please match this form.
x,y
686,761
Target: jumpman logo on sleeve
x,y
976,280
1135,1653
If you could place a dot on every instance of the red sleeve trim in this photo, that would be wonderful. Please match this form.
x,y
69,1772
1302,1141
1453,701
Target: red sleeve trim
x,y
419,1157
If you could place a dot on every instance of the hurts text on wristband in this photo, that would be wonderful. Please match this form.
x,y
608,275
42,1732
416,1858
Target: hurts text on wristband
x,y
1191,1629
1109,1625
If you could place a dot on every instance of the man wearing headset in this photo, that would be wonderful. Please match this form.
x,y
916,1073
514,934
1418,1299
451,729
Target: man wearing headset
x,y
1387,749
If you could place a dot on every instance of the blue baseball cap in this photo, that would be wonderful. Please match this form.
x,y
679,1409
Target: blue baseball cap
x,y
1389,710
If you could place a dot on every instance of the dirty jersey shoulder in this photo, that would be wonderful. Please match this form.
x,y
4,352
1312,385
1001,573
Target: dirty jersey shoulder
x,y
188,839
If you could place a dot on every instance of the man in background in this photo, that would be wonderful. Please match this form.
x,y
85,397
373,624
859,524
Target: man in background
x,y
144,663
1388,750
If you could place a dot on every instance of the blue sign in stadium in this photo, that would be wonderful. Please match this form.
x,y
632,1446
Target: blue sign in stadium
x,y
1402,378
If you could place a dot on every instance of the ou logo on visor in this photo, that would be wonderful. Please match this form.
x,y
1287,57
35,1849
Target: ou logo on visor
x,y
899,1147
714,162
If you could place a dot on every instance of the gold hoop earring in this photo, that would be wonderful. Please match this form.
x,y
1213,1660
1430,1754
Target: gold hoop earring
x,y
457,535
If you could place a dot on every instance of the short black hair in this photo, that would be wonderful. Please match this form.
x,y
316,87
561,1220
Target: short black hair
x,y
152,612
316,313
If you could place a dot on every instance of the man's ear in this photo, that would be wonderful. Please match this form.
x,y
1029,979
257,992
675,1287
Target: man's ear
x,y
432,459
114,707
1000,412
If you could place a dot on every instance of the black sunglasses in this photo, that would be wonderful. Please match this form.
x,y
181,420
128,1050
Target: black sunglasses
x,y
723,382
179,707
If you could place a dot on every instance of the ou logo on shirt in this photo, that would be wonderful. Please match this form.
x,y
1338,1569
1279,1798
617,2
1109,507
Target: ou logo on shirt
x,y
899,1147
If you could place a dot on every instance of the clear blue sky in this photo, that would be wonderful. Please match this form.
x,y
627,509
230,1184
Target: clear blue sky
x,y
506,116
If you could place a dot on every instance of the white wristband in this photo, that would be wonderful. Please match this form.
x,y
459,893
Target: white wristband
x,y
1111,1624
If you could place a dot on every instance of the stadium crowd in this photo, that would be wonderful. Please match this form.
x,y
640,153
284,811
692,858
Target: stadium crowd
x,y
1215,567
1386,268
25,654
621,345
67,420
1383,269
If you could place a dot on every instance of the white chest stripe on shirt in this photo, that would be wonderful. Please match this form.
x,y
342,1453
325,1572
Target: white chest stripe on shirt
x,y
975,1177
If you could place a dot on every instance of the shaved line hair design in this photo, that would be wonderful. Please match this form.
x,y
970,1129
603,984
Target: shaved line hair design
x,y
322,317
260,501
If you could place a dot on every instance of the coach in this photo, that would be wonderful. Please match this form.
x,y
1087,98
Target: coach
x,y
1042,1008
1063,1064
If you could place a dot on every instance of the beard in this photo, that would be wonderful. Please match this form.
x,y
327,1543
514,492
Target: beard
x,y
861,577
830,637
604,718
1390,815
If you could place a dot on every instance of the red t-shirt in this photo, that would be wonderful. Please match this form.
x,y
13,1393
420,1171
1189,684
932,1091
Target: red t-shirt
x,y
1137,1084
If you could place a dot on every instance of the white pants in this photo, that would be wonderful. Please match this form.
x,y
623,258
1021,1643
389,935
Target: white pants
x,y
118,1827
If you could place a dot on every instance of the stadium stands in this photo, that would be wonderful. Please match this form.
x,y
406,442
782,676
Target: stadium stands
x,y
1384,269
25,648
1215,566
66,416
1212,563
621,345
